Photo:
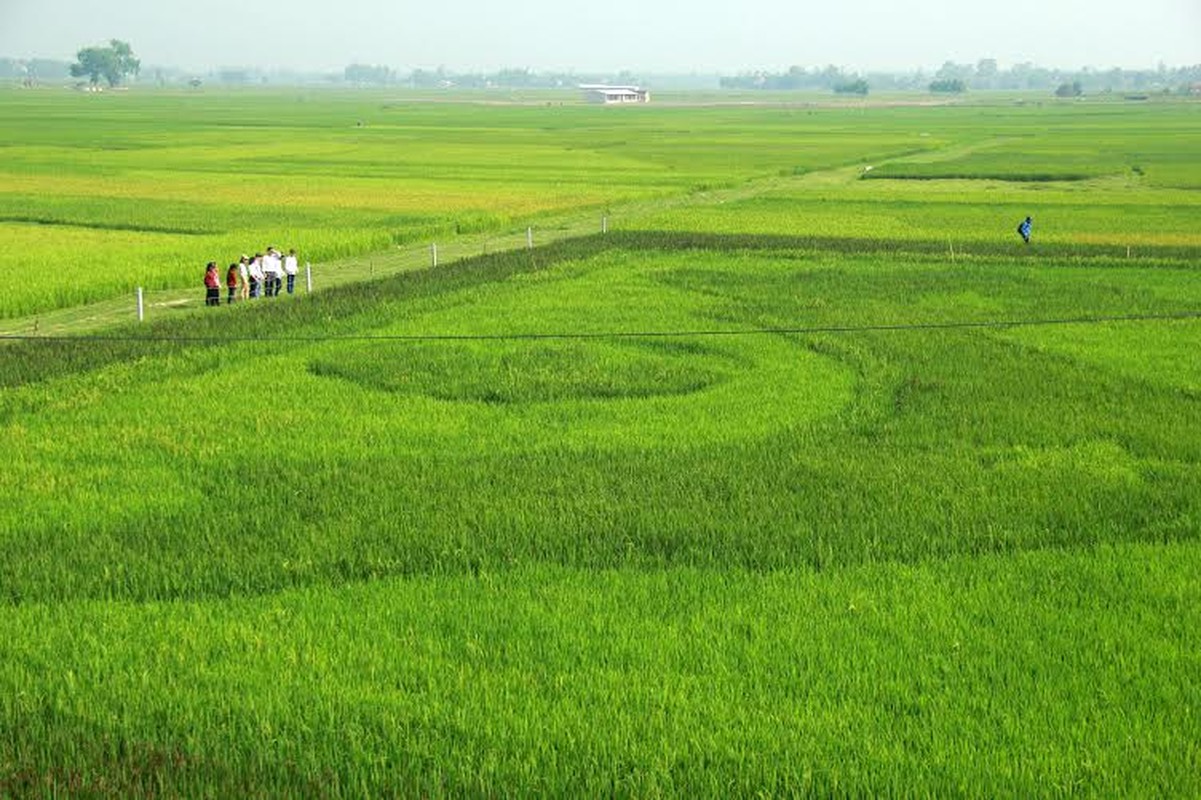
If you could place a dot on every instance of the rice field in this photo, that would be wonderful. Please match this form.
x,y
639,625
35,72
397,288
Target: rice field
x,y
773,490
338,175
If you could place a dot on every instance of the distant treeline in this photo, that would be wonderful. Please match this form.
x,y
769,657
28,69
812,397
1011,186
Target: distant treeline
x,y
984,74
47,70
951,77
442,78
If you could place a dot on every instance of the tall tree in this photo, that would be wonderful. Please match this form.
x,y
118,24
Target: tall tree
x,y
986,73
113,63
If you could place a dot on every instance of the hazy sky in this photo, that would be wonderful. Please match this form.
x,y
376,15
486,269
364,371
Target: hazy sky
x,y
641,35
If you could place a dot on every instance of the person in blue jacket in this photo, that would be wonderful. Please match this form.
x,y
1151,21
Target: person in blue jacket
x,y
1024,229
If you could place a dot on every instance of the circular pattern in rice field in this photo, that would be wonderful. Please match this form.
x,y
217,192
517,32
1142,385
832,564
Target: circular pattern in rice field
x,y
524,393
531,371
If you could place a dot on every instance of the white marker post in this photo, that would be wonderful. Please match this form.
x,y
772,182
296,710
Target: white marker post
x,y
141,306
529,238
604,224
433,255
308,277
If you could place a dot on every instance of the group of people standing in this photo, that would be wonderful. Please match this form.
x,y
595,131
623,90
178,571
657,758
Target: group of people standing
x,y
262,275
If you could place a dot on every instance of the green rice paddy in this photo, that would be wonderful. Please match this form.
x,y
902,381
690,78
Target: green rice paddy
x,y
805,479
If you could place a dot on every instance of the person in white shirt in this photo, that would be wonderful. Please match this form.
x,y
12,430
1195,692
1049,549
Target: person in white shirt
x,y
256,275
271,271
290,269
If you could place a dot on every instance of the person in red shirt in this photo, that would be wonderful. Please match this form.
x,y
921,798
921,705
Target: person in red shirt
x,y
212,286
231,282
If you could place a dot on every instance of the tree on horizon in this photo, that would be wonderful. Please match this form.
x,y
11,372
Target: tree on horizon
x,y
113,63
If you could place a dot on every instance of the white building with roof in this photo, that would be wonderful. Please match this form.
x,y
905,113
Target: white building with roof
x,y
614,95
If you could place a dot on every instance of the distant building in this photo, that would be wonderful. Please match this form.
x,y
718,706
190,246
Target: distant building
x,y
613,95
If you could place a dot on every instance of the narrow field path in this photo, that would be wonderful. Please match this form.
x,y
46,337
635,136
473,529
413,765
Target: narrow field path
x,y
104,314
